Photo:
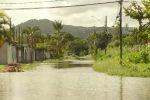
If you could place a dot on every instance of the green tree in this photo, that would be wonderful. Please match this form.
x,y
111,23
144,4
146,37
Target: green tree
x,y
78,47
33,35
140,12
3,32
67,38
57,24
55,45
136,11
99,41
92,39
103,40
57,38
58,44
129,40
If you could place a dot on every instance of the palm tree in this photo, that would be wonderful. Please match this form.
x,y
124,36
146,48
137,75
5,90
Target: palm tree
x,y
57,24
3,21
33,37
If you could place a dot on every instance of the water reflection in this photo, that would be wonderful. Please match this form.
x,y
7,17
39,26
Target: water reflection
x,y
46,83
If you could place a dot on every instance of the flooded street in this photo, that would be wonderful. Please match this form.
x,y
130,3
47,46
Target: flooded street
x,y
81,83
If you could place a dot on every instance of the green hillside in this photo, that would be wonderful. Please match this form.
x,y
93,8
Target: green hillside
x,y
79,31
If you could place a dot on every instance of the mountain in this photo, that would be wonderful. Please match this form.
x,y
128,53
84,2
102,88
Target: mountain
x,y
46,27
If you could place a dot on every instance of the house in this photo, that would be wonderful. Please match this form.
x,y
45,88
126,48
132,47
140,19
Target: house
x,y
8,54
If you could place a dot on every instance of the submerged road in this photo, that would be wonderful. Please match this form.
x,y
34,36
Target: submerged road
x,y
80,83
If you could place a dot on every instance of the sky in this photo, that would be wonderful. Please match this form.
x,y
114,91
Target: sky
x,y
80,16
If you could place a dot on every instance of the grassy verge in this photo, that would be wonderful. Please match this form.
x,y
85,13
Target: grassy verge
x,y
23,67
136,62
111,66
26,67
2,68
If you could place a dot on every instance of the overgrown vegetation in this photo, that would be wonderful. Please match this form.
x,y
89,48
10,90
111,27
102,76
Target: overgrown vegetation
x,y
136,53
136,62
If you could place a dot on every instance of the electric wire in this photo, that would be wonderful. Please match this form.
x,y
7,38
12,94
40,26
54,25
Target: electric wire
x,y
56,7
14,3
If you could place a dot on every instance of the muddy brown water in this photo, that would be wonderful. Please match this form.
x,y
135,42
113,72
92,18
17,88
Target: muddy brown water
x,y
80,83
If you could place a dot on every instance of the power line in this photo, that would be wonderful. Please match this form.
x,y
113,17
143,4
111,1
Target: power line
x,y
54,7
11,3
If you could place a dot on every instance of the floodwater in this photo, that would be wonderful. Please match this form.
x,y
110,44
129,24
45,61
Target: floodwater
x,y
80,83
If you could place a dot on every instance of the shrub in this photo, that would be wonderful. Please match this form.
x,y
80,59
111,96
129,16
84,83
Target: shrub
x,y
144,57
141,56
115,43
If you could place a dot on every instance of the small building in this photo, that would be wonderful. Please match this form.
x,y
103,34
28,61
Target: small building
x,y
24,53
8,54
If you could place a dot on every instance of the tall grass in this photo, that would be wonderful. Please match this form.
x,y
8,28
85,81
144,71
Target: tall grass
x,y
110,63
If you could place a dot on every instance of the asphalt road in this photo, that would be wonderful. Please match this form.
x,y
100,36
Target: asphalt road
x,y
80,83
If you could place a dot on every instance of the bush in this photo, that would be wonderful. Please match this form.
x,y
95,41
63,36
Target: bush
x,y
144,57
115,43
112,67
141,56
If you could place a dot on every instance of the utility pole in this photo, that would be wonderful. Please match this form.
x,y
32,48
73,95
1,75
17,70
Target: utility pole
x,y
22,38
121,4
19,31
106,24
10,26
14,35
105,30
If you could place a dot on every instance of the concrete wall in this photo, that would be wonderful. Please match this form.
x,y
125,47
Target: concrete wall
x,y
11,54
27,57
7,54
24,54
3,54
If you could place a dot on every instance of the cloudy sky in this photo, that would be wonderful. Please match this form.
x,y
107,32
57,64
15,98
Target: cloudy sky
x,y
80,16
